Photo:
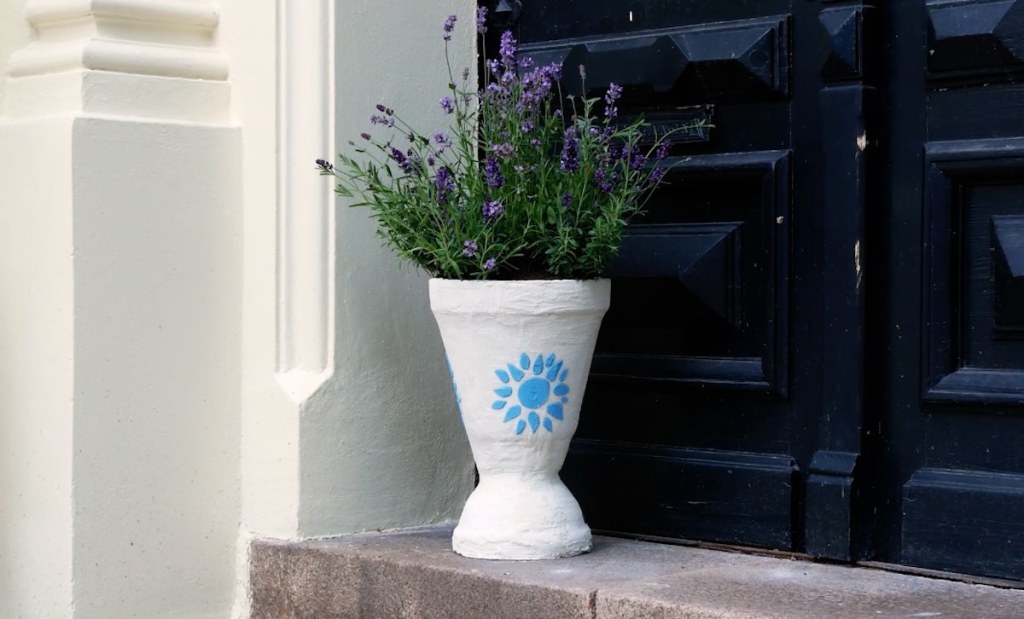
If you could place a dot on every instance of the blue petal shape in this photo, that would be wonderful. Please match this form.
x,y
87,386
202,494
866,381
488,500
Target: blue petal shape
x,y
502,375
555,369
524,361
547,425
534,421
516,373
499,404
560,389
513,412
507,391
538,365
564,374
520,426
550,360
555,410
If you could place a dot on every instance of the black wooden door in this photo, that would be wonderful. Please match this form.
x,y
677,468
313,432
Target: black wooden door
x,y
950,306
815,340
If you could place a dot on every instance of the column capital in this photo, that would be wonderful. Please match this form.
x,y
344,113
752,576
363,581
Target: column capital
x,y
135,58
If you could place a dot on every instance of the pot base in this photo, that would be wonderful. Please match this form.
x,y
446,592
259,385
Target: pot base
x,y
521,518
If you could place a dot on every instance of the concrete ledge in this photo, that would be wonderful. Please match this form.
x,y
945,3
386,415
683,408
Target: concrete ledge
x,y
414,573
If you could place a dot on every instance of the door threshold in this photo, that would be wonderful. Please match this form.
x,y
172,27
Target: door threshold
x,y
896,568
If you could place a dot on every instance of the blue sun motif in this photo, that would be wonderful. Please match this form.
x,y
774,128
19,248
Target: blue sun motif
x,y
455,387
536,388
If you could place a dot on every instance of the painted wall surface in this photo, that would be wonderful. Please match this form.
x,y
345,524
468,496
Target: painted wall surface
x,y
14,33
36,370
361,433
391,429
196,347
156,430
120,280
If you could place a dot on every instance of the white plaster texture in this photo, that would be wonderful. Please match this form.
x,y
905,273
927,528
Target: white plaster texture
x,y
120,268
156,430
347,422
14,34
520,354
152,420
36,370
383,448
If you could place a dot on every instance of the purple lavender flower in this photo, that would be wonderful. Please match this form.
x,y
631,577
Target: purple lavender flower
x,y
492,209
469,248
526,126
614,94
490,264
636,158
403,160
537,86
386,110
325,165
663,150
442,140
444,183
567,200
449,25
387,121
447,104
365,136
606,179
481,20
492,173
503,150
507,49
430,160
657,174
571,151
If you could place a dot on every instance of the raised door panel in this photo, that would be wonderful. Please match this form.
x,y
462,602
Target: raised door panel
x,y
689,414
952,490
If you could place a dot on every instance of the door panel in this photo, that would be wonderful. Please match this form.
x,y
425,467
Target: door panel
x,y
950,471
688,426
816,338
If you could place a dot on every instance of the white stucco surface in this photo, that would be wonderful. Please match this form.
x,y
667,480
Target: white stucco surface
x,y
14,33
392,430
36,370
156,428
195,347
120,280
370,439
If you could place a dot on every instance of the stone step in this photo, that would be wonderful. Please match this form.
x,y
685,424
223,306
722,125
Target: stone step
x,y
413,573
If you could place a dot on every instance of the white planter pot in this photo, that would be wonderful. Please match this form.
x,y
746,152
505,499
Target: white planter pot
x,y
519,353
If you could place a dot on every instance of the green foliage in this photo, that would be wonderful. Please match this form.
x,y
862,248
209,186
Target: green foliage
x,y
529,184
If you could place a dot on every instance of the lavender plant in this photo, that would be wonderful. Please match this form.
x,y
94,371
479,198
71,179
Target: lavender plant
x,y
523,183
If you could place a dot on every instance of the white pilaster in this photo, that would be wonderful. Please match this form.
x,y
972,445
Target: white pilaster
x,y
120,273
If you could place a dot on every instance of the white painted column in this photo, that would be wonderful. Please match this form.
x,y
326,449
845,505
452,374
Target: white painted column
x,y
120,267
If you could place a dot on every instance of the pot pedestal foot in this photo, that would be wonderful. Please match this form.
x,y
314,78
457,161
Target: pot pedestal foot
x,y
521,518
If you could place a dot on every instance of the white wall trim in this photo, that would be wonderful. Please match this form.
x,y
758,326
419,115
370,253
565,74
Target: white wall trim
x,y
146,37
190,13
305,226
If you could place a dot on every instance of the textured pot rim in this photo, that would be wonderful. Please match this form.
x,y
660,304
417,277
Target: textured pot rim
x,y
526,296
